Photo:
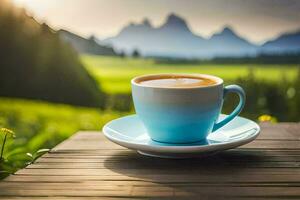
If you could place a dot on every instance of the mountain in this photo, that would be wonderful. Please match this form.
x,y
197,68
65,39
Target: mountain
x,y
87,46
227,43
175,39
36,64
289,42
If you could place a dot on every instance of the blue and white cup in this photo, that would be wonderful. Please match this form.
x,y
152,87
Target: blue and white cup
x,y
182,115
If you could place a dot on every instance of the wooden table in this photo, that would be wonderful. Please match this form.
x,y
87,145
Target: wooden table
x,y
88,166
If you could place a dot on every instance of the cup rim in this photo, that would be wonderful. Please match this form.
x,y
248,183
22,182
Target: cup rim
x,y
217,79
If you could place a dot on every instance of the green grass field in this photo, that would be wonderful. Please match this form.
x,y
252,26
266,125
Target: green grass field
x,y
43,125
114,74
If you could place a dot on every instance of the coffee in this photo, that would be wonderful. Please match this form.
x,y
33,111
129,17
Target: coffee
x,y
176,81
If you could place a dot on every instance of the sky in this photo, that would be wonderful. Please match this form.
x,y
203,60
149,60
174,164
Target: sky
x,y
256,20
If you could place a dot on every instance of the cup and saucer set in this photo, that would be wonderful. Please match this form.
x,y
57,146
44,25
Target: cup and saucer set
x,y
179,116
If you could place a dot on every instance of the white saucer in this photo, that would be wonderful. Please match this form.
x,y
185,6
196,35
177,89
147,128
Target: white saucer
x,y
130,132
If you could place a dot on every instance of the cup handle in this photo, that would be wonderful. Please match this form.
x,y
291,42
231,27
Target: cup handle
x,y
232,89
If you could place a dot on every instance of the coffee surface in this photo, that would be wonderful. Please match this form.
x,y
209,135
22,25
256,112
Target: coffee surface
x,y
177,81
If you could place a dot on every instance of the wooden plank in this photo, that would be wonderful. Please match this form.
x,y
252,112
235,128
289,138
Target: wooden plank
x,y
64,198
111,184
103,165
282,131
236,155
88,145
158,172
179,178
163,191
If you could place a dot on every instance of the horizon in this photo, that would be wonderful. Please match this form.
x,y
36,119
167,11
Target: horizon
x,y
257,21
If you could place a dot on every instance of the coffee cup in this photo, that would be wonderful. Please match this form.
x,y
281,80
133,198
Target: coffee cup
x,y
182,108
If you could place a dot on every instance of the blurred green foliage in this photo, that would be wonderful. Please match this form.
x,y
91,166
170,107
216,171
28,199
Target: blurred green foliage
x,y
36,64
114,74
40,125
279,99
270,89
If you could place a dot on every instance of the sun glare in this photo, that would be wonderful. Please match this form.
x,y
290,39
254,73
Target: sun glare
x,y
19,2
24,3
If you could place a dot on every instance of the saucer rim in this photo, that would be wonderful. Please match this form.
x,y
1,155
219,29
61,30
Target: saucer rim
x,y
182,148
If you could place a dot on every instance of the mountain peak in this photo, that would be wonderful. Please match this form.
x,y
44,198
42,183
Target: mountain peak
x,y
227,30
146,22
173,16
175,21
93,38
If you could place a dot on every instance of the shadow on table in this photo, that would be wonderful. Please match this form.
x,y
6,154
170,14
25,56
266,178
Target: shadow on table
x,y
187,175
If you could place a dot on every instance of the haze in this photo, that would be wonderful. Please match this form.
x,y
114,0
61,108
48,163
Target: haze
x,y
257,20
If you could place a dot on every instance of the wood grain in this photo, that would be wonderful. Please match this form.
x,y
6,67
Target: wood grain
x,y
88,166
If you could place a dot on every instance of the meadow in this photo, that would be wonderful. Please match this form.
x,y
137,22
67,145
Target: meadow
x,y
114,73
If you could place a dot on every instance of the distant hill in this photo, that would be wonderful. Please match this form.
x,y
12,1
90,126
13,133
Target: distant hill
x,y
289,42
175,39
36,64
87,46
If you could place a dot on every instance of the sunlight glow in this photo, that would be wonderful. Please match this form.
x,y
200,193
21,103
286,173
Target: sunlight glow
x,y
20,2
32,5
